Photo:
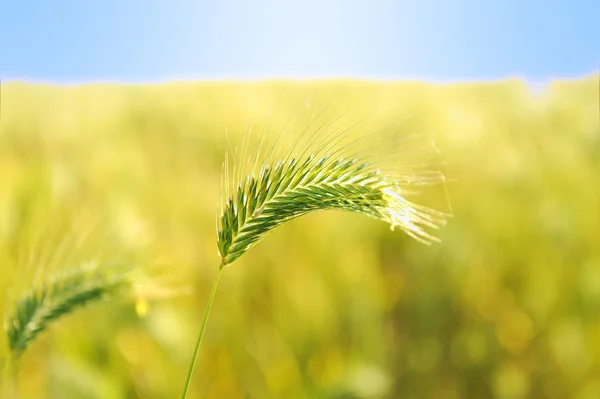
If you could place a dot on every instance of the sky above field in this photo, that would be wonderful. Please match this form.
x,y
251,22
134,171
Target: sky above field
x,y
152,40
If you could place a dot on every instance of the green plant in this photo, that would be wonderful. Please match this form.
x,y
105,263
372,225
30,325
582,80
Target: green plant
x,y
331,170
57,296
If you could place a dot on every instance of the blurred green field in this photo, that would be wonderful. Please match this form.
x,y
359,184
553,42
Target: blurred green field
x,y
332,305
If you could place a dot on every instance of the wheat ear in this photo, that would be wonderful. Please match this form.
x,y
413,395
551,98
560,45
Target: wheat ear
x,y
58,296
330,170
285,191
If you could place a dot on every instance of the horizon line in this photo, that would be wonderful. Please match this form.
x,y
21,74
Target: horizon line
x,y
300,79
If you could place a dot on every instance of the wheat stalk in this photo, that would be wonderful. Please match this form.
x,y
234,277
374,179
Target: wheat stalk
x,y
58,296
331,169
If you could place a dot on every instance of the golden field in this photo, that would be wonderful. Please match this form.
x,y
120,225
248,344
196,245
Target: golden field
x,y
331,305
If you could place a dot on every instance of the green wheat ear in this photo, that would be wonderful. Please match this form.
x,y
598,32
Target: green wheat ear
x,y
57,296
322,176
287,190
336,167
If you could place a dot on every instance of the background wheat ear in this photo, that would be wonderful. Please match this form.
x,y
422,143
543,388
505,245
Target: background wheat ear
x,y
59,295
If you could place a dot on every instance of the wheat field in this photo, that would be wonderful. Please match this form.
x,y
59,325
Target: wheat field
x,y
330,305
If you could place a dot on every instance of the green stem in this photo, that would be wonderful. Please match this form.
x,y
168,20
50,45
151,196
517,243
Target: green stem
x,y
7,374
201,334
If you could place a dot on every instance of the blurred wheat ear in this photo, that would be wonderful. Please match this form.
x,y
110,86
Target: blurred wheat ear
x,y
335,167
57,296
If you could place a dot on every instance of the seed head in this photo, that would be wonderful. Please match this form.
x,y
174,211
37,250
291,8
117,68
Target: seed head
x,y
335,167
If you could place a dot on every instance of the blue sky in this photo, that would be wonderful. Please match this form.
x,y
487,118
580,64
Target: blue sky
x,y
151,40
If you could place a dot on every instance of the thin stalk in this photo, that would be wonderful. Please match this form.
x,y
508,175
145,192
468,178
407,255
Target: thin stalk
x,y
201,334
7,374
